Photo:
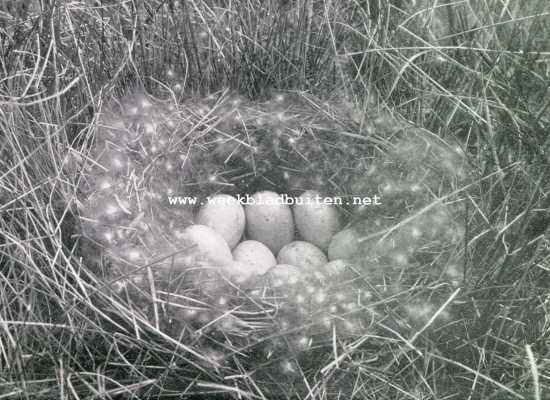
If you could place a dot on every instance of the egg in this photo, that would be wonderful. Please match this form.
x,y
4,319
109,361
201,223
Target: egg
x,y
268,220
303,255
255,254
211,247
344,245
316,221
224,214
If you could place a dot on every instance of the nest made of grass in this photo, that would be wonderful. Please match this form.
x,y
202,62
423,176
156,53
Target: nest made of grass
x,y
400,284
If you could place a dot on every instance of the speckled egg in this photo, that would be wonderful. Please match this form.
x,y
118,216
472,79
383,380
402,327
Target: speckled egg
x,y
316,221
303,255
269,221
256,255
224,214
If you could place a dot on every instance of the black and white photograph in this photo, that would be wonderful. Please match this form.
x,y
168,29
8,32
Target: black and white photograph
x,y
275,199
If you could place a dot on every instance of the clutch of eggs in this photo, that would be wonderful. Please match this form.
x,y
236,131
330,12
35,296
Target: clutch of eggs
x,y
249,244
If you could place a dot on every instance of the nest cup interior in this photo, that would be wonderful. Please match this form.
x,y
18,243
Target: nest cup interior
x,y
147,151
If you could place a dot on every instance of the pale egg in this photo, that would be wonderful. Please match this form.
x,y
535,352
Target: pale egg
x,y
210,247
268,220
224,214
256,255
316,220
303,255
344,245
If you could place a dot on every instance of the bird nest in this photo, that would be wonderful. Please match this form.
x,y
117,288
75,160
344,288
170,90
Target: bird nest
x,y
396,260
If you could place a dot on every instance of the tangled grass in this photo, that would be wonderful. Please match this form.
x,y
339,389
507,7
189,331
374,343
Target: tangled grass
x,y
469,73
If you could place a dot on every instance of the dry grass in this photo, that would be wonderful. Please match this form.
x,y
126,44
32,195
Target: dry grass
x,y
472,72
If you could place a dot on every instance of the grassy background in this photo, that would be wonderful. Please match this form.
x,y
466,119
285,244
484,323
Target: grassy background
x,y
476,71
